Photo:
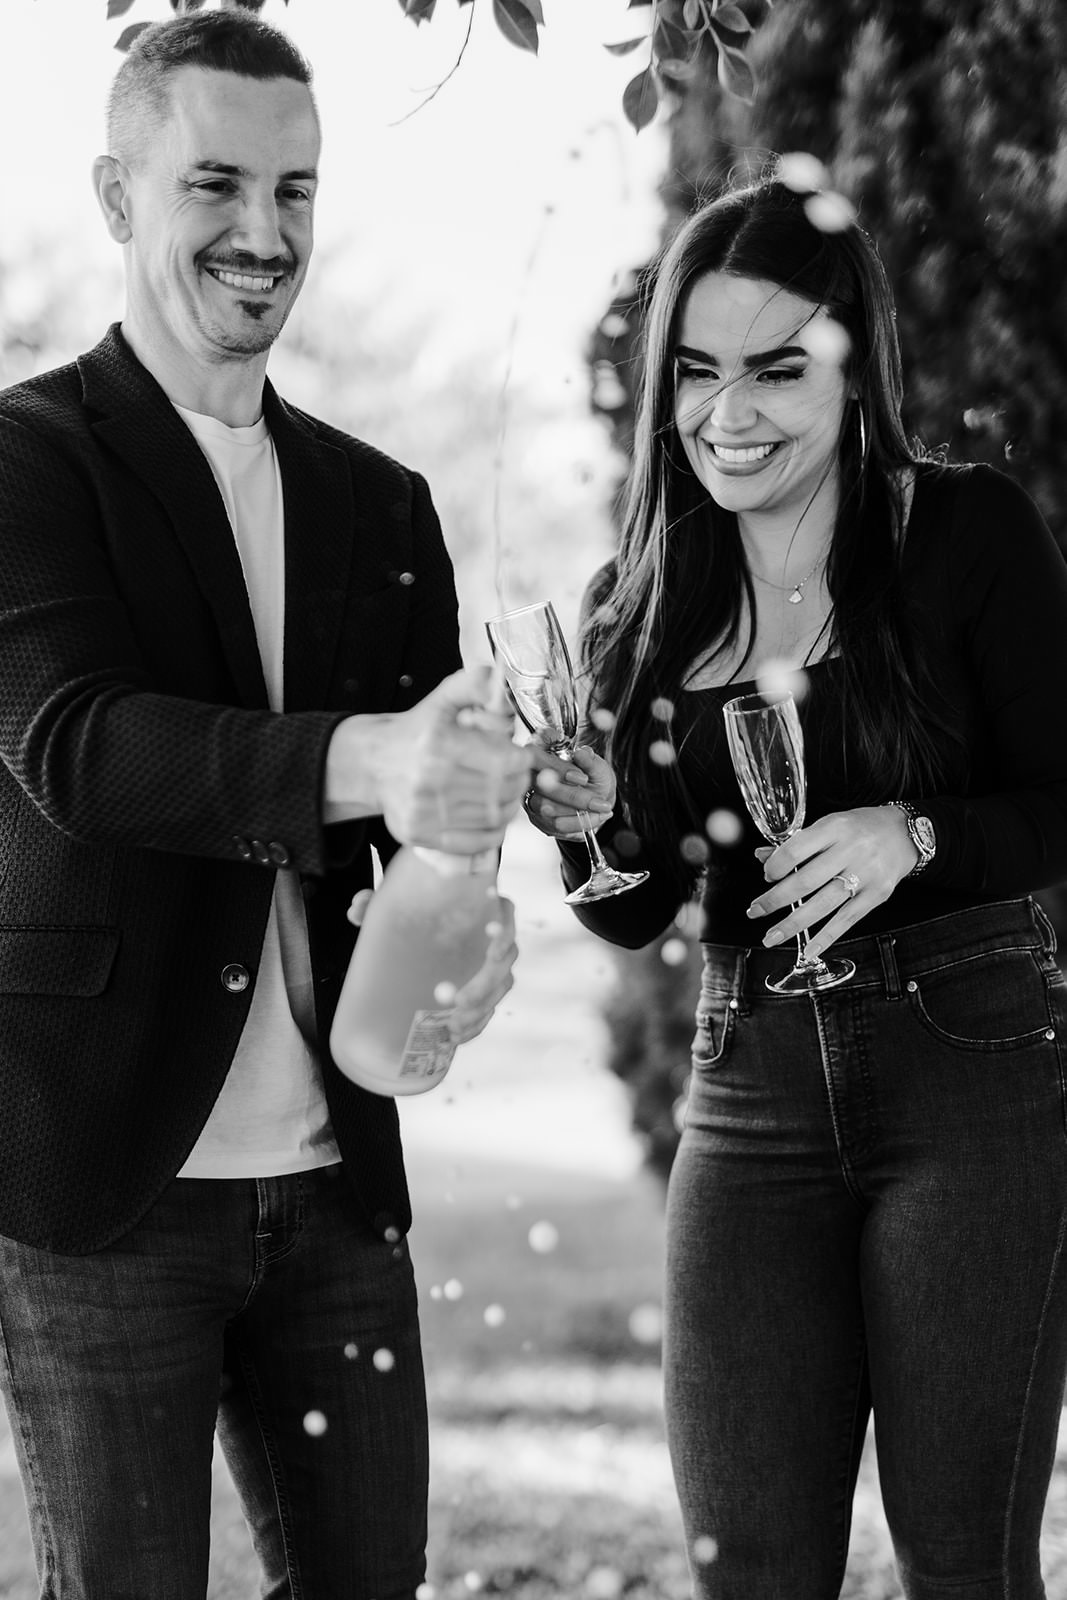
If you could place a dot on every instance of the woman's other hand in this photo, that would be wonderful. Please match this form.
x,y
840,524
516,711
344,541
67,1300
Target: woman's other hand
x,y
834,872
560,789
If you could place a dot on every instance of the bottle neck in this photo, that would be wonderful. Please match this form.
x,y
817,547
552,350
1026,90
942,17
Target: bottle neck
x,y
453,866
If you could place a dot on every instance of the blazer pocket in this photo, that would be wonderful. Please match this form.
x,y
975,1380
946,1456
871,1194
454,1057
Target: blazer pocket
x,y
71,961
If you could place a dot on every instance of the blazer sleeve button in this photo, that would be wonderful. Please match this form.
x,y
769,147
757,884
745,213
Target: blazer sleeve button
x,y
234,977
278,854
260,852
242,846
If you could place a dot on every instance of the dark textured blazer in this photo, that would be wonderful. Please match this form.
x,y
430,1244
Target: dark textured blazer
x,y
148,796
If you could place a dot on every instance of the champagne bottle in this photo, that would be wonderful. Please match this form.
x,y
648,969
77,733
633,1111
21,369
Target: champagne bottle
x,y
424,935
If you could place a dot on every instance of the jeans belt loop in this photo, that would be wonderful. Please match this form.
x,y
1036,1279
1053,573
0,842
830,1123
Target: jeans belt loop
x,y
1044,928
737,994
887,951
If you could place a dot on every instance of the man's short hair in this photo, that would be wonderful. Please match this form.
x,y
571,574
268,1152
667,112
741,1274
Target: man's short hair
x,y
222,41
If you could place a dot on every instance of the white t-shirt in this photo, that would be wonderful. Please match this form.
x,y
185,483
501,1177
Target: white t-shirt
x,y
271,1116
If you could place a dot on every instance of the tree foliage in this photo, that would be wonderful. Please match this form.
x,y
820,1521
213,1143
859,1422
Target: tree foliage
x,y
678,45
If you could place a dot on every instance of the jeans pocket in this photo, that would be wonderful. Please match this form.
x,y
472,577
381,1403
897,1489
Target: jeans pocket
x,y
996,1001
715,1019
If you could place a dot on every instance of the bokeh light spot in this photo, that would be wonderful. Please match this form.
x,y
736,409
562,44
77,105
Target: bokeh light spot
x,y
543,1238
802,172
663,709
384,1360
444,993
724,826
705,1549
779,676
453,1289
661,751
673,952
829,212
646,1323
602,718
351,1351
603,1583
827,340
495,1316
315,1424
694,850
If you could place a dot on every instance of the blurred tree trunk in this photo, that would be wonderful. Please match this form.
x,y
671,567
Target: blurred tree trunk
x,y
945,123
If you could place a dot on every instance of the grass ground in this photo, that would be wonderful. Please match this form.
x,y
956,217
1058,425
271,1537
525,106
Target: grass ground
x,y
550,1472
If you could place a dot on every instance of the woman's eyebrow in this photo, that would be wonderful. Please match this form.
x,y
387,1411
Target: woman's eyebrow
x,y
764,359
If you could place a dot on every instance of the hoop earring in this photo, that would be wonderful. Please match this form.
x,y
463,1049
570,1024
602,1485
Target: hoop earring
x,y
863,434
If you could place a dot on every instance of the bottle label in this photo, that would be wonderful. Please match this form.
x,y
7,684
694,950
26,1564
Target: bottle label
x,y
430,1047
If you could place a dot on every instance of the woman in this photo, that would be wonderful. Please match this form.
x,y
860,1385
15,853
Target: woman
x,y
869,1203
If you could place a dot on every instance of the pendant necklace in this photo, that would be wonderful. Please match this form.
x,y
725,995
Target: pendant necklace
x,y
794,591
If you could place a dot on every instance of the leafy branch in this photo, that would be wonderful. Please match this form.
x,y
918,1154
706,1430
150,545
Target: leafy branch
x,y
680,46
678,49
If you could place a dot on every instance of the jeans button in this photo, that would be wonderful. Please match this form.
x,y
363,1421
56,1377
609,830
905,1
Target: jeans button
x,y
234,977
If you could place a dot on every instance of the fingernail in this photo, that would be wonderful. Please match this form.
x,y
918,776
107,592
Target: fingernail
x,y
754,910
774,937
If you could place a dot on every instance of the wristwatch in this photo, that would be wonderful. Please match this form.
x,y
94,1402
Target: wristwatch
x,y
920,832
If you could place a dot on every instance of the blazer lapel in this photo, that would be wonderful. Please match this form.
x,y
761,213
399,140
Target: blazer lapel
x,y
137,421
322,528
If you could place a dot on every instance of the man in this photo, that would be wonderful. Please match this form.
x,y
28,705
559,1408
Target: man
x,y
228,653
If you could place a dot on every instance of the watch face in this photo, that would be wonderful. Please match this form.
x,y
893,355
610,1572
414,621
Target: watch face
x,y
924,835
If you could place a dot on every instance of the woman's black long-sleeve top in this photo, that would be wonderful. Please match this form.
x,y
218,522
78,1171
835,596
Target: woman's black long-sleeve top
x,y
986,592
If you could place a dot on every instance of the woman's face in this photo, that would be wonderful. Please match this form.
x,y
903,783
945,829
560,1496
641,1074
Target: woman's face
x,y
760,394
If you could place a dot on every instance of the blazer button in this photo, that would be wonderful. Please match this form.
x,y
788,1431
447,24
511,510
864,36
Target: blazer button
x,y
278,854
242,846
234,977
405,680
260,852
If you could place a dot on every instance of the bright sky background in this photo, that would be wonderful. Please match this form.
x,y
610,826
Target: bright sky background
x,y
443,209
496,220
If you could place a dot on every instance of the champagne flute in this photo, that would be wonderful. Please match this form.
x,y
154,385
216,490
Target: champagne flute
x,y
767,749
532,651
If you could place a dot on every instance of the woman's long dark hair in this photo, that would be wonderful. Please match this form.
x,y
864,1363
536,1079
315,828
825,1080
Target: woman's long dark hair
x,y
680,581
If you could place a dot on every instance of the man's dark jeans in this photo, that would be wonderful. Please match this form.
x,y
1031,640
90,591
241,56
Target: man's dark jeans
x,y
869,1205
267,1303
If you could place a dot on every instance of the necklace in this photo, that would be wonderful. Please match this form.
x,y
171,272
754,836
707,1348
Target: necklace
x,y
795,591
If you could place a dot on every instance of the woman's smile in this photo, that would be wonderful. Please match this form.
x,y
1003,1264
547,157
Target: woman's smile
x,y
741,458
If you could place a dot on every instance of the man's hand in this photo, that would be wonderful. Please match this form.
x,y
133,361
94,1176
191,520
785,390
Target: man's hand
x,y
478,999
475,1003
445,774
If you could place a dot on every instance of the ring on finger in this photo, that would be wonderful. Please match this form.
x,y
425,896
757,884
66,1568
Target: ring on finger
x,y
850,882
527,798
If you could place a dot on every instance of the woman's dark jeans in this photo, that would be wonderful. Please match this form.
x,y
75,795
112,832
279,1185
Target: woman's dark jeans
x,y
868,1208
268,1302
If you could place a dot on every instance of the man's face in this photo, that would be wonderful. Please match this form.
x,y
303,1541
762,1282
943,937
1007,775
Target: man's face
x,y
219,205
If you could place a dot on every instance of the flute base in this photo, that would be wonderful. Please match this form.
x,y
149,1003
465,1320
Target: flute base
x,y
810,976
604,883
